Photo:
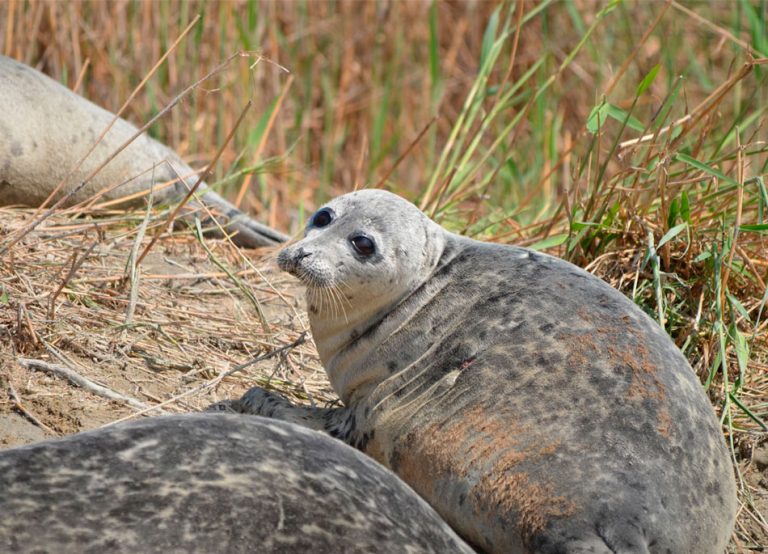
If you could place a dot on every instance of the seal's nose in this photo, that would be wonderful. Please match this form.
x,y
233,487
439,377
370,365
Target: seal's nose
x,y
288,259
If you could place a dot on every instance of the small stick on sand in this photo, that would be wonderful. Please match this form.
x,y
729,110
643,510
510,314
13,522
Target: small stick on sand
x,y
218,379
77,379
26,413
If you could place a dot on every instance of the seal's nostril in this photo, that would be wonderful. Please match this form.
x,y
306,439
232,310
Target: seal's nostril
x,y
301,254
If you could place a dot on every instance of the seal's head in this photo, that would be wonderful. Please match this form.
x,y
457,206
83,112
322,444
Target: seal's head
x,y
361,254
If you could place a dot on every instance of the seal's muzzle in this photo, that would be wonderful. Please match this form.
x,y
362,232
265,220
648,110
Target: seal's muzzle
x,y
289,259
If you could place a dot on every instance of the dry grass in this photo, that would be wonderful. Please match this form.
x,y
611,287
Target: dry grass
x,y
162,333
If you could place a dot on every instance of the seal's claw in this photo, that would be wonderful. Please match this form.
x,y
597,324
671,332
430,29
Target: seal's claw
x,y
223,406
259,401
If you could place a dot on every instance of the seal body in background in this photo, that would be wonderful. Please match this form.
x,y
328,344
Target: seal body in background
x,y
536,408
46,129
209,483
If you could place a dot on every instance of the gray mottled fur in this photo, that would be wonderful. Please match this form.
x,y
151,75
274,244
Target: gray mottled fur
x,y
45,129
209,483
535,407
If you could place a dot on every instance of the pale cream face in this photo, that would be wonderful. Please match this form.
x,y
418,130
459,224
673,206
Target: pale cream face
x,y
361,252
361,255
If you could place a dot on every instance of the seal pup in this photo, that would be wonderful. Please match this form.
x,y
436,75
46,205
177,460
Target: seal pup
x,y
536,408
45,129
209,483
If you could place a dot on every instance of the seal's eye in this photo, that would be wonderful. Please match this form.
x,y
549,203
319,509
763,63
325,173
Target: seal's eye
x,y
322,218
363,245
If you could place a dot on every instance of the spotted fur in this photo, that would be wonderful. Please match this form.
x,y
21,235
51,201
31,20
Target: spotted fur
x,y
536,408
209,483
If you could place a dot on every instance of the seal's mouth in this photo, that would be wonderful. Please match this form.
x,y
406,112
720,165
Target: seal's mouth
x,y
296,261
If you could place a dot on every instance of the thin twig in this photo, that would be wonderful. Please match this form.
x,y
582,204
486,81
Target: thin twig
x,y
218,379
643,39
737,223
80,381
26,413
691,119
82,75
131,268
717,29
238,283
76,264
405,153
298,342
264,135
200,180
22,312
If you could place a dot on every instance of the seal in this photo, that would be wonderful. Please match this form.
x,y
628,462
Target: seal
x,y
536,408
46,129
209,483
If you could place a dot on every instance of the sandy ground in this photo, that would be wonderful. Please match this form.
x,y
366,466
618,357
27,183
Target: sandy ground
x,y
190,323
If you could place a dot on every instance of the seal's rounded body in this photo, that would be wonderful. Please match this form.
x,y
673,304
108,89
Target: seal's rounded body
x,y
534,406
46,130
209,483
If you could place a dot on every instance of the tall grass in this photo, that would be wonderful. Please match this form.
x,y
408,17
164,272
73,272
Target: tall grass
x,y
627,137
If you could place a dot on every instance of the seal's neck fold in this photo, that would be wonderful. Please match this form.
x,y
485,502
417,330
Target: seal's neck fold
x,y
357,354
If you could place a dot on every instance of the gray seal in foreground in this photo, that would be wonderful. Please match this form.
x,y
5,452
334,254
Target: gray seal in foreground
x,y
209,483
536,408
45,129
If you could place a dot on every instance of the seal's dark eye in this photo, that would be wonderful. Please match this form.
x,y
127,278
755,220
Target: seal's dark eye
x,y
363,245
322,218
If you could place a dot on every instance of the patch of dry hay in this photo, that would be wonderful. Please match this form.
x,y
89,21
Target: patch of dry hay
x,y
66,296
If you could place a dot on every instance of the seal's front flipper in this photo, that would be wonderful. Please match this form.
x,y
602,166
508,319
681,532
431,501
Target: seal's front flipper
x,y
259,401
612,536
